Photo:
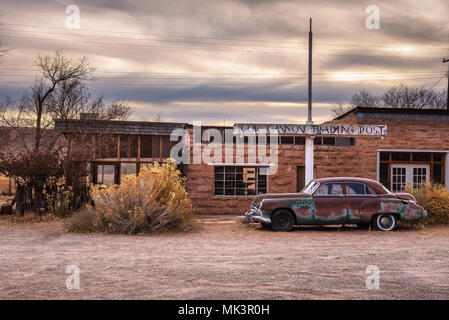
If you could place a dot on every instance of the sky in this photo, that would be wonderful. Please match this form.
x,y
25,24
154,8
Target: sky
x,y
221,62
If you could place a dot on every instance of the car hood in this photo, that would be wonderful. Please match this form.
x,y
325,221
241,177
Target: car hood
x,y
261,197
405,196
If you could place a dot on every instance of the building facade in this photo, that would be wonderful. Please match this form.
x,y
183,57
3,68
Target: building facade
x,y
415,150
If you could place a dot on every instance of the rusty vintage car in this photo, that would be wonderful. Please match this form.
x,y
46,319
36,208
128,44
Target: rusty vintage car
x,y
335,201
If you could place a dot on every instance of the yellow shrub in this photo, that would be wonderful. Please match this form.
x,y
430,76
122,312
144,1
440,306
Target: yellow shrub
x,y
156,200
435,200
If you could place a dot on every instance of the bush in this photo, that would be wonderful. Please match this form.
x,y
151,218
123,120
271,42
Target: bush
x,y
435,200
154,201
82,221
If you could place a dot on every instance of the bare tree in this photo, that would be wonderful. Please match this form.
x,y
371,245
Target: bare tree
x,y
55,69
340,109
364,98
414,98
58,93
72,98
401,96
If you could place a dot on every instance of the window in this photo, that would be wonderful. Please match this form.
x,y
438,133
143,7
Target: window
x,y
358,189
287,140
399,179
105,174
311,187
334,141
239,181
345,142
438,173
396,156
330,189
127,169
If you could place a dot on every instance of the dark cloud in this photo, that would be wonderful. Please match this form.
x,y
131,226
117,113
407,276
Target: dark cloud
x,y
249,37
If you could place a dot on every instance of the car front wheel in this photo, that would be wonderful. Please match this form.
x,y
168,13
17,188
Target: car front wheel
x,y
385,222
282,221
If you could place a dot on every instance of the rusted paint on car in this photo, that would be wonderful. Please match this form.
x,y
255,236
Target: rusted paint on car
x,y
408,210
312,209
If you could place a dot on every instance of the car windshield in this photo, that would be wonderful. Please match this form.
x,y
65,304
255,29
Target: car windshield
x,y
386,190
311,187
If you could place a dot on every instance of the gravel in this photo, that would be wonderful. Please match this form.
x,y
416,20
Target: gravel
x,y
224,259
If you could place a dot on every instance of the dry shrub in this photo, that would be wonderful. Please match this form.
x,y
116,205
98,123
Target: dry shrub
x,y
82,221
29,217
154,201
435,200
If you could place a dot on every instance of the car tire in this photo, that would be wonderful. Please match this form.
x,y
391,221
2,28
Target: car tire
x,y
385,222
282,220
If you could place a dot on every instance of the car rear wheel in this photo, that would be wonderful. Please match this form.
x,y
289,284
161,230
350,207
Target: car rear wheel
x,y
282,221
385,222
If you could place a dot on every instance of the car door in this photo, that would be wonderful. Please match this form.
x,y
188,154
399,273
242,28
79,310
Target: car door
x,y
330,203
362,201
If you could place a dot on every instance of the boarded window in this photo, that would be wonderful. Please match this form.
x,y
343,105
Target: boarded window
x,y
146,146
133,146
239,181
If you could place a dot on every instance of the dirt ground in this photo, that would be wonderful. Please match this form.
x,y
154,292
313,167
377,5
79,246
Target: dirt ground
x,y
224,259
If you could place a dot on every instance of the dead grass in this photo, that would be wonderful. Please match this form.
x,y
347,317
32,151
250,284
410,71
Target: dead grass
x,y
29,218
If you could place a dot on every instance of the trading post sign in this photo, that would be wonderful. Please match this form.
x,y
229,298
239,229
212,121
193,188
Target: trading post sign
x,y
305,129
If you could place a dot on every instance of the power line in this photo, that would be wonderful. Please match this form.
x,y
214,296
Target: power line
x,y
219,49
345,44
337,83
232,74
319,48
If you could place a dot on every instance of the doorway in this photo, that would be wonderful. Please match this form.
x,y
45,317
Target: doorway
x,y
404,174
301,177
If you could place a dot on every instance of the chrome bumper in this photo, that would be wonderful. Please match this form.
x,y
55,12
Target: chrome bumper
x,y
255,215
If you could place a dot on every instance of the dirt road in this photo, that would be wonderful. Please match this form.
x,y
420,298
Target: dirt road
x,y
224,260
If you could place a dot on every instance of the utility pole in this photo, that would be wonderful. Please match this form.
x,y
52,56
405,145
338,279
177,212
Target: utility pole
x,y
309,147
309,107
447,105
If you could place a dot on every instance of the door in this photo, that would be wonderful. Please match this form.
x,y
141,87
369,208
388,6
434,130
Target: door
x,y
301,177
330,203
404,174
362,201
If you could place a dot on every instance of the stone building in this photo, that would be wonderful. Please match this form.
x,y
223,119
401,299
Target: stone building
x,y
414,150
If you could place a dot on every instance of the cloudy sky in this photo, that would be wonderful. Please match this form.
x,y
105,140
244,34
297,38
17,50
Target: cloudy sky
x,y
223,61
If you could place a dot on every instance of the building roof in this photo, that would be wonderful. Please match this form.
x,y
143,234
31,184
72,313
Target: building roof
x,y
117,127
401,113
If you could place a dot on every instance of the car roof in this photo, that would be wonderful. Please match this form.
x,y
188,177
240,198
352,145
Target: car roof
x,y
372,183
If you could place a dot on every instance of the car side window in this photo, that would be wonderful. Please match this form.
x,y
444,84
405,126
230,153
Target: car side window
x,y
329,189
370,190
358,189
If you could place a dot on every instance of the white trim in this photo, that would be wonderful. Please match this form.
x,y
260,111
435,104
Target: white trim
x,y
446,165
412,150
309,159
378,166
228,164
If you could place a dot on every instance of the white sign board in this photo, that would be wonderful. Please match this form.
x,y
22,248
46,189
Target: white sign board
x,y
305,129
